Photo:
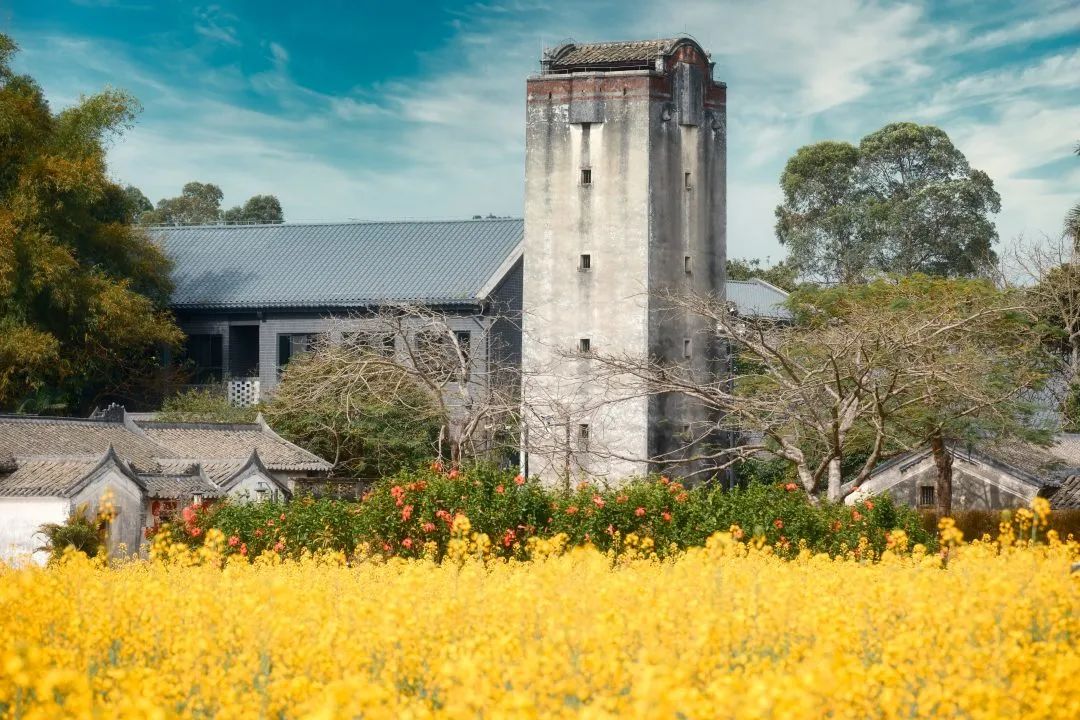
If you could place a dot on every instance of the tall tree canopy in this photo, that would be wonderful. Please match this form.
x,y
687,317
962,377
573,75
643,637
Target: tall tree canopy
x,y
82,291
258,210
905,200
200,204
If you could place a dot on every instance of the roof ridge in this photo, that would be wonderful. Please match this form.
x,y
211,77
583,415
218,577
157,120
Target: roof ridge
x,y
320,223
202,425
43,419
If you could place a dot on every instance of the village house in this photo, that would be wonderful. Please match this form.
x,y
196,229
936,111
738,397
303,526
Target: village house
x,y
49,466
982,479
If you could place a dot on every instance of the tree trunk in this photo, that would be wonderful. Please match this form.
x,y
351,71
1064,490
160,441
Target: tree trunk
x,y
834,480
943,460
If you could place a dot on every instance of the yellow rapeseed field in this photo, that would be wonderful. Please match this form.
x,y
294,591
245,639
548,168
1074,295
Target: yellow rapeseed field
x,y
726,631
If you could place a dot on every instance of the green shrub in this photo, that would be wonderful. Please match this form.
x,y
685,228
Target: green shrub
x,y
204,405
79,531
403,513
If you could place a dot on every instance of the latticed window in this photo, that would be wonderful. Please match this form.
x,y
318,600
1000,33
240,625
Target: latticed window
x,y
926,495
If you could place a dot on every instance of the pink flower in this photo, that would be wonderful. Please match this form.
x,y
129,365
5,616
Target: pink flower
x,y
282,518
234,541
572,510
279,546
790,487
406,513
666,515
452,474
188,514
407,543
508,538
243,549
258,532
869,505
195,532
429,527
622,499
640,512
778,523
270,522
598,501
519,479
436,466
500,489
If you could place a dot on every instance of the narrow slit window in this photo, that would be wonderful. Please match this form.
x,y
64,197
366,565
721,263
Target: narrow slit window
x,y
583,431
586,176
686,264
585,264
926,495
686,180
686,347
584,346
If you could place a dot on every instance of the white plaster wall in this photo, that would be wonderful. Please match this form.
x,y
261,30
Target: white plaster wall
x,y
609,220
246,489
20,519
126,533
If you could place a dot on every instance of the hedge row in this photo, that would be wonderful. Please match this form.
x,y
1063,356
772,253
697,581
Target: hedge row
x,y
412,513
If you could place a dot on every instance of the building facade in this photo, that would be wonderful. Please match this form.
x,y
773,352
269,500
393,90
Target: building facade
x,y
625,200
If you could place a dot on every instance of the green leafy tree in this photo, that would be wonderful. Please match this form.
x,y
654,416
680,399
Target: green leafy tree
x,y
367,425
258,210
137,203
198,204
904,201
783,274
204,405
82,291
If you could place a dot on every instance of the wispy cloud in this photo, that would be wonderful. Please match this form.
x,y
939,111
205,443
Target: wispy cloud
x,y
215,24
449,139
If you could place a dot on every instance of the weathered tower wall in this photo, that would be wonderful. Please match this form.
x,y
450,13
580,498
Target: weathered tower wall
x,y
651,217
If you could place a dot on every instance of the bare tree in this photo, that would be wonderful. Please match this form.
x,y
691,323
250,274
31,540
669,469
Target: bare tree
x,y
865,370
453,360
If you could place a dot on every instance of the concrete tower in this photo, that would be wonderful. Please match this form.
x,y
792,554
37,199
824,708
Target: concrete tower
x,y
625,175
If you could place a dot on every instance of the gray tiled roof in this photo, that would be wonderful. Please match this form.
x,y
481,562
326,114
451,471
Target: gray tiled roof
x,y
336,265
757,298
178,487
1067,497
217,443
632,53
24,436
46,477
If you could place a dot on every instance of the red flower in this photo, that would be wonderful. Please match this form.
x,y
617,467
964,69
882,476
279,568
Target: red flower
x,y
243,549
429,527
681,497
640,512
791,487
519,479
856,515
386,547
666,515
270,522
258,532
869,505
611,530
282,518
622,499
195,532
508,538
407,543
572,510
500,489
598,501
778,523
188,514
436,466
234,541
406,513
664,479
452,474
279,546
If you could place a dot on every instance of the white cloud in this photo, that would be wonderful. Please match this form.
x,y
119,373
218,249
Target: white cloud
x,y
214,24
450,143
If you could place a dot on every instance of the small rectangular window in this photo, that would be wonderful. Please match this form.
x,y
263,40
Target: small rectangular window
x,y
586,263
686,264
584,346
583,431
686,348
684,433
686,180
586,176
926,495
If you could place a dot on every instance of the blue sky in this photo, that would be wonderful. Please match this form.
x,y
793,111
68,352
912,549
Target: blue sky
x,y
375,110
